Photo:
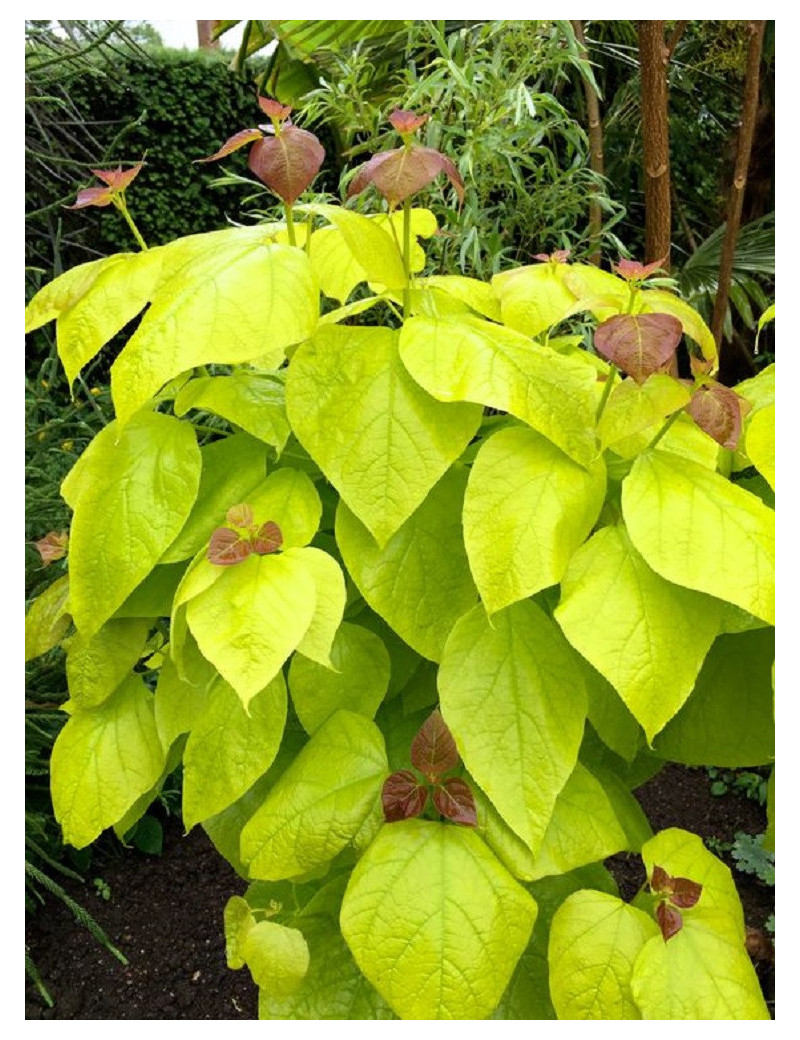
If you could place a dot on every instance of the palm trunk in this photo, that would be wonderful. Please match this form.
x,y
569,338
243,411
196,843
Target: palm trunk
x,y
653,60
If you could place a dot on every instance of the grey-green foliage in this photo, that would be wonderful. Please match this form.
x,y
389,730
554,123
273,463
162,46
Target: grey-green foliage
x,y
491,93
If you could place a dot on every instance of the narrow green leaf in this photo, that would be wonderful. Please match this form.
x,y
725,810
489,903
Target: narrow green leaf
x,y
97,664
252,617
229,748
320,802
420,581
521,743
647,637
475,360
252,400
103,760
434,921
706,534
132,493
380,440
527,509
357,681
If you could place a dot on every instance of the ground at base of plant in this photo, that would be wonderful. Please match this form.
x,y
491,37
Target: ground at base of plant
x,y
164,914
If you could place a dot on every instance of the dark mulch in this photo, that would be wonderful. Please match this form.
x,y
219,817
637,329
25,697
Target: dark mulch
x,y
165,914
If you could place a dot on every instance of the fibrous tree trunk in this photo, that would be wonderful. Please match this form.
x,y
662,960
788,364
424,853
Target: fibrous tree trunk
x,y
736,198
596,160
653,60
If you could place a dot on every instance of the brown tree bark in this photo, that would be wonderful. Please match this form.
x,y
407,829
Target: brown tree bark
x,y
596,160
736,197
204,35
653,60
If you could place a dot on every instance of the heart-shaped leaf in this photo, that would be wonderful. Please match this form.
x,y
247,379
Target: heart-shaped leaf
x,y
718,411
288,162
227,547
453,799
240,516
268,539
405,122
403,796
669,920
639,344
401,172
433,750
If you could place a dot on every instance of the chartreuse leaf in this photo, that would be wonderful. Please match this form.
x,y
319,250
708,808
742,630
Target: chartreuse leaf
x,y
760,442
706,534
93,302
97,664
435,921
254,401
600,292
703,971
48,619
229,748
277,957
533,298
609,715
475,360
320,802
252,617
232,468
521,741
527,509
153,597
103,760
528,993
330,597
238,920
180,701
684,438
420,580
659,301
244,300
633,407
132,494
380,440
647,637
471,291
594,940
357,680
288,497
509,848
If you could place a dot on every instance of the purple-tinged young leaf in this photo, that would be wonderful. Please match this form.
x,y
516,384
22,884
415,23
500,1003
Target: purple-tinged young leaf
x,y
405,122
288,162
639,344
403,796
233,143
558,257
240,516
660,880
52,547
433,750
227,547
669,920
685,892
274,109
718,411
268,539
453,799
92,197
119,179
635,271
401,172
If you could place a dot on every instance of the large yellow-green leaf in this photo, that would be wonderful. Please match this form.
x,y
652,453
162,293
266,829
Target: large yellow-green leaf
x,y
471,291
103,760
330,596
380,440
594,940
435,921
475,360
591,820
253,400
646,636
595,290
229,748
527,509
48,619
153,597
132,493
320,802
760,442
696,529
420,581
633,407
728,719
277,957
357,680
659,301
97,664
703,971
288,497
232,468
240,301
180,701
609,715
252,617
533,298
515,702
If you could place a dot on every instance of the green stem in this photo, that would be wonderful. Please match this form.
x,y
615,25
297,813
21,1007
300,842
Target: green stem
x,y
287,209
662,431
121,205
633,291
606,391
308,234
407,257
